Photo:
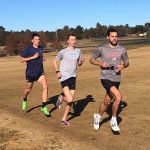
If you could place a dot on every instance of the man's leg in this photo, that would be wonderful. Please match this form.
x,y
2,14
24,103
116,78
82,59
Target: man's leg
x,y
72,93
62,98
27,90
69,99
102,109
42,80
105,103
117,95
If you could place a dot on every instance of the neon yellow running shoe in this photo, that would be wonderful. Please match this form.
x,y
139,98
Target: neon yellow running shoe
x,y
24,105
45,111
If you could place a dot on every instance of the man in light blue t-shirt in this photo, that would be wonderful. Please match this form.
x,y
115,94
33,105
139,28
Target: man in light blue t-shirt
x,y
69,58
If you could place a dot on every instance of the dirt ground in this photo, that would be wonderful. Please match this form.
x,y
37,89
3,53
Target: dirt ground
x,y
32,130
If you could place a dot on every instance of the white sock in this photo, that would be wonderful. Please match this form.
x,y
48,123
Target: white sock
x,y
114,118
99,116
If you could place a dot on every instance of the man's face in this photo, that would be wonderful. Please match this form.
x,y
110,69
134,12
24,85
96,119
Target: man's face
x,y
72,41
36,41
113,38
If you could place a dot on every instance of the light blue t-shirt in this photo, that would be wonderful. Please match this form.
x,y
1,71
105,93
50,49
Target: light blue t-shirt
x,y
69,60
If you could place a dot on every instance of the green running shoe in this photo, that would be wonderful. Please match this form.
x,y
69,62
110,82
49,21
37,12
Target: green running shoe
x,y
45,111
24,105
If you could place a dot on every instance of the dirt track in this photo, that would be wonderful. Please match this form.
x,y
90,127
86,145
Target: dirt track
x,y
32,130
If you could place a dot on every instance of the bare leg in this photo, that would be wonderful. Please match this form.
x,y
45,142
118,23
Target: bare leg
x,y
27,90
42,80
105,103
69,99
117,95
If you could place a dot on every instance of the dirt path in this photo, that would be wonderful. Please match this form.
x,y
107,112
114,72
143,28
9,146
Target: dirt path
x,y
32,130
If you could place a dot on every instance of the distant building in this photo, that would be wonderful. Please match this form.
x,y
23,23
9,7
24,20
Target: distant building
x,y
143,34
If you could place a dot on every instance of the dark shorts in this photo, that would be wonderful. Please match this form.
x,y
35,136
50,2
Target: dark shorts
x,y
71,83
33,78
107,84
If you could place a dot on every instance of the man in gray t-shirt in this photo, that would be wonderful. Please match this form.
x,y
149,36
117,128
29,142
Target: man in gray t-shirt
x,y
69,58
113,59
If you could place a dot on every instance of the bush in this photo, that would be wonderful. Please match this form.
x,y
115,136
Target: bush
x,y
56,45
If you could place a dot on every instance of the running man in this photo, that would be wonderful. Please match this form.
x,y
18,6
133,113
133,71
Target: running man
x,y
114,59
69,58
33,56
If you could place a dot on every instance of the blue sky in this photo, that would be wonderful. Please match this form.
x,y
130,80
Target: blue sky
x,y
50,15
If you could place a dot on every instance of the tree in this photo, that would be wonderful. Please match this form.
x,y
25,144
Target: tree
x,y
42,38
66,31
78,32
2,36
138,29
148,33
12,44
147,26
50,36
56,45
2,29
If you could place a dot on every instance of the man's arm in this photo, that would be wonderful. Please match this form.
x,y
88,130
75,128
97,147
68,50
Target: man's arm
x,y
95,55
23,59
126,64
56,67
55,63
94,62
122,66
98,63
125,61
81,61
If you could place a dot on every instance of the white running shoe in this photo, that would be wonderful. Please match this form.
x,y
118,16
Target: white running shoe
x,y
96,121
59,101
114,126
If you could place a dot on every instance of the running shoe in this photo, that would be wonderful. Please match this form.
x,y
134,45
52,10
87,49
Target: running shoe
x,y
114,126
96,121
45,111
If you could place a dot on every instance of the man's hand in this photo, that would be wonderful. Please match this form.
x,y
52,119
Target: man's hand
x,y
58,75
44,59
104,65
36,55
119,68
81,61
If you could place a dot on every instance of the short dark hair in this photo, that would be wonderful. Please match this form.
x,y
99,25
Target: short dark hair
x,y
71,34
111,30
35,34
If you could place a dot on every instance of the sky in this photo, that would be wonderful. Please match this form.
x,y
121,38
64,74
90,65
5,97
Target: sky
x,y
49,15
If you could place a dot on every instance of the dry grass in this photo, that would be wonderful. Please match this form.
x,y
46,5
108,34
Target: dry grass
x,y
135,87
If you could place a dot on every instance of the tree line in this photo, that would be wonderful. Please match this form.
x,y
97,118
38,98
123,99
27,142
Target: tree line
x,y
15,41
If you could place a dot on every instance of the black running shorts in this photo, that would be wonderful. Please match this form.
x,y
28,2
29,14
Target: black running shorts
x,y
33,78
107,84
71,83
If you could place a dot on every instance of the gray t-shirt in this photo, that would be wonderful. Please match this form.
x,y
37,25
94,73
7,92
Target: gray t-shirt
x,y
113,57
69,59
